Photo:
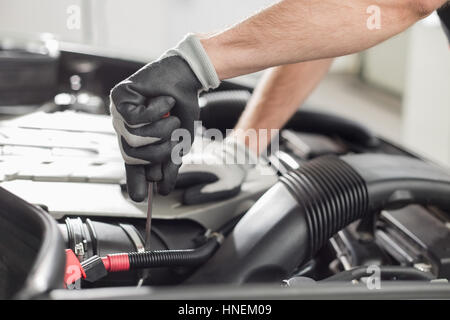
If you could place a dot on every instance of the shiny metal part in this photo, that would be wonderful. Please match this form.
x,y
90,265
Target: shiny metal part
x,y
148,223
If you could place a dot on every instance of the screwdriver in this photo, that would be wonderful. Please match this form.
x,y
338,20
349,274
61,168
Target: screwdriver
x,y
148,224
148,230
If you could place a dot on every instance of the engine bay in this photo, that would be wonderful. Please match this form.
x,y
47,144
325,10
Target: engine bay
x,y
341,206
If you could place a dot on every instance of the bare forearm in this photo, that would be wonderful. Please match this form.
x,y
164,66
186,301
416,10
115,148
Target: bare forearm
x,y
279,94
299,30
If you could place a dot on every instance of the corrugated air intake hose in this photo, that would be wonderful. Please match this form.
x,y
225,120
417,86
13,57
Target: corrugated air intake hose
x,y
295,218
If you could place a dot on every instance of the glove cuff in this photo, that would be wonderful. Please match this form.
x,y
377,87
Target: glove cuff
x,y
192,51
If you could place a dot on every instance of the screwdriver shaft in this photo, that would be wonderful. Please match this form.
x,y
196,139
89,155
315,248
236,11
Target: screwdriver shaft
x,y
148,224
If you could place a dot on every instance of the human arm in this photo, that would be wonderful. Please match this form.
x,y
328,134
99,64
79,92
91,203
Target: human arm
x,y
278,96
291,31
299,30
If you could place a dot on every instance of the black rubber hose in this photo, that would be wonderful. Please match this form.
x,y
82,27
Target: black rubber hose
x,y
222,109
386,272
332,195
333,192
289,224
395,181
174,258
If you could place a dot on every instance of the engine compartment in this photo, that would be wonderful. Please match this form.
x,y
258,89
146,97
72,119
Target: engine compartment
x,y
342,201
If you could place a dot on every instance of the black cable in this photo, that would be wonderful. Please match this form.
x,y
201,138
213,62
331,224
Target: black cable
x,y
175,258
182,257
386,272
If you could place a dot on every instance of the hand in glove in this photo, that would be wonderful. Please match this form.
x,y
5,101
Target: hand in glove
x,y
139,108
215,172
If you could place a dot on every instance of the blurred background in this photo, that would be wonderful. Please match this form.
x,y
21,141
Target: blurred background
x,y
400,89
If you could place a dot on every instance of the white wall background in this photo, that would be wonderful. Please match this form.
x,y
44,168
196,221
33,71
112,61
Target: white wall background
x,y
416,66
426,97
135,28
36,16
384,65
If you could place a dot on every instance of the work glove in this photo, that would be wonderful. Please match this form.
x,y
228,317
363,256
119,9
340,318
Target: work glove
x,y
149,105
214,171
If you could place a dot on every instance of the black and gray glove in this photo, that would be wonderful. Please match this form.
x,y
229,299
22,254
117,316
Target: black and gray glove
x,y
215,171
140,105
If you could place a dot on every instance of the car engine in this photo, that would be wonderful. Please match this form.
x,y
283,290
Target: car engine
x,y
341,206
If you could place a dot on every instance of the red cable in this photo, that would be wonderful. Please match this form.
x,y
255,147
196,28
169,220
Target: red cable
x,y
116,262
